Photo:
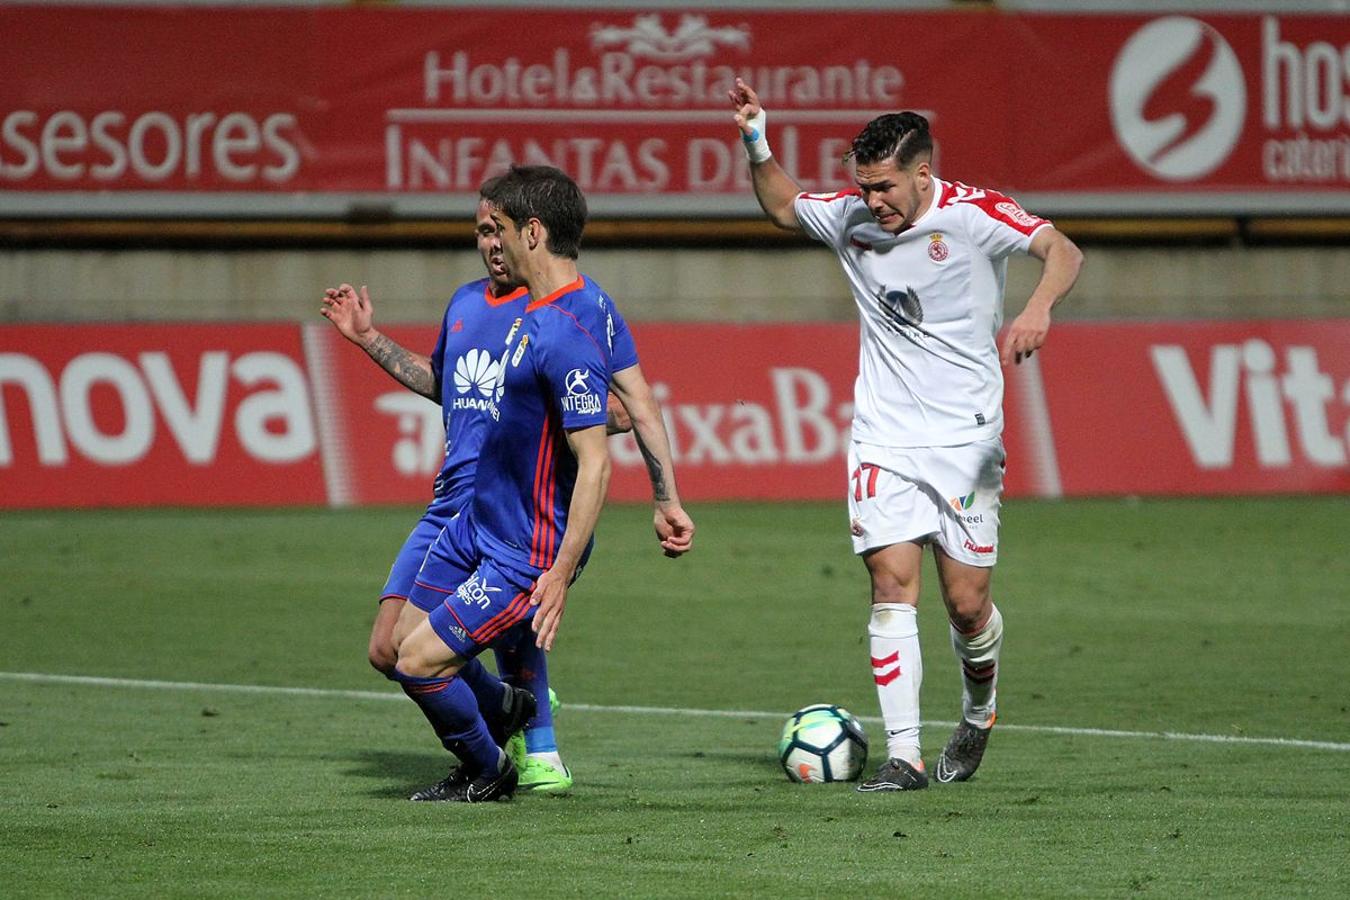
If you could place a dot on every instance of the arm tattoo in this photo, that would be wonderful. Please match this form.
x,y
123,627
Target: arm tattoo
x,y
655,471
404,366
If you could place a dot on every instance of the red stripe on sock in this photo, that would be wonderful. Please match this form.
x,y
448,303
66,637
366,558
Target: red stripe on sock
x,y
879,663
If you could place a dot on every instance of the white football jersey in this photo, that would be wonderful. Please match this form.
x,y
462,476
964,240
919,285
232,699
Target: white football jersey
x,y
930,300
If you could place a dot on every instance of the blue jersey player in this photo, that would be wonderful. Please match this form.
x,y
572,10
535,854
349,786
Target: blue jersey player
x,y
461,375
538,490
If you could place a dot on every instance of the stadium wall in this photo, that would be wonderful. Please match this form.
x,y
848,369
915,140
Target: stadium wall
x,y
686,285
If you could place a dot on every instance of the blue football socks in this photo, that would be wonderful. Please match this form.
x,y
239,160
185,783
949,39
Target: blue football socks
x,y
451,708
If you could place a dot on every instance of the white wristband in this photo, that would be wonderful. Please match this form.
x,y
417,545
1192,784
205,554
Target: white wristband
x,y
755,142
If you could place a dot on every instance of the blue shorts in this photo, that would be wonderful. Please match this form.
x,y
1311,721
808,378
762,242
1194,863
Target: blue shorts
x,y
472,601
490,602
403,572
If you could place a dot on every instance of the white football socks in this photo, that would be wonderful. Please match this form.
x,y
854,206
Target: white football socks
x,y
978,655
898,671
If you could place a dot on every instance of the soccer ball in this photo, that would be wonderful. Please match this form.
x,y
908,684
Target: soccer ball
x,y
822,742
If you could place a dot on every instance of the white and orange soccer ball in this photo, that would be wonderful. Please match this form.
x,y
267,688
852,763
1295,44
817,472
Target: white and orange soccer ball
x,y
822,742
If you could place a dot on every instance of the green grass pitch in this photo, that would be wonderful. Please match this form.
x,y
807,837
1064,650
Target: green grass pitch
x,y
1225,623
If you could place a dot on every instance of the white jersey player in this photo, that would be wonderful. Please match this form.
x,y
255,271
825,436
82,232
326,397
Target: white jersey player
x,y
926,261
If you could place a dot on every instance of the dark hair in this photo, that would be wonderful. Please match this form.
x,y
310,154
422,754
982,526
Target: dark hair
x,y
487,187
903,136
546,194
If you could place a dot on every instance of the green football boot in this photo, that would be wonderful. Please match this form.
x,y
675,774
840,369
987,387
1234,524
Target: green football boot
x,y
543,776
515,747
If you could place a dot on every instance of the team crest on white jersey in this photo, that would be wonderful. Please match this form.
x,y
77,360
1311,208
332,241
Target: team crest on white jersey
x,y
937,247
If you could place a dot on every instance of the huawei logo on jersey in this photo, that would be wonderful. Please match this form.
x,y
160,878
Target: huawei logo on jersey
x,y
477,371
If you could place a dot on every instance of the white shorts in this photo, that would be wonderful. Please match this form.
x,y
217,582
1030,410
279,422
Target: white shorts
x,y
947,494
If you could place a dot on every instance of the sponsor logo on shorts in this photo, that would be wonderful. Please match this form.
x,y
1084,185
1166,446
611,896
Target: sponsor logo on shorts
x,y
937,248
963,505
476,591
978,548
459,633
856,527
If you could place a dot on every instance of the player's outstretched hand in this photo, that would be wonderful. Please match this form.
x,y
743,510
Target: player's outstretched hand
x,y
746,102
550,595
1025,336
675,531
351,313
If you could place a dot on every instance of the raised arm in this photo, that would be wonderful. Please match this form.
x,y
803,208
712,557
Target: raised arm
x,y
354,317
774,188
1062,261
588,496
674,528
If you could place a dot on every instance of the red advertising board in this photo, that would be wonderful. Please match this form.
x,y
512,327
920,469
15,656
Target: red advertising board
x,y
1201,407
108,110
281,415
144,415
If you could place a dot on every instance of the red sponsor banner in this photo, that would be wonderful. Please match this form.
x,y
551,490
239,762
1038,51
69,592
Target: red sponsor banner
x,y
277,415
388,442
107,109
774,425
142,415
1200,407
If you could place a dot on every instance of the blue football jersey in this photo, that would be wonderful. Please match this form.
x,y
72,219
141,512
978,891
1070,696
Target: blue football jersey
x,y
555,376
622,345
467,363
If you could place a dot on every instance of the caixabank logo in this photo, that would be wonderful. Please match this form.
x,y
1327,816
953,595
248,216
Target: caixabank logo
x,y
1178,98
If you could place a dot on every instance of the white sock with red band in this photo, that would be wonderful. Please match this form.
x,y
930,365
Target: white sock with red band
x,y
897,669
978,655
